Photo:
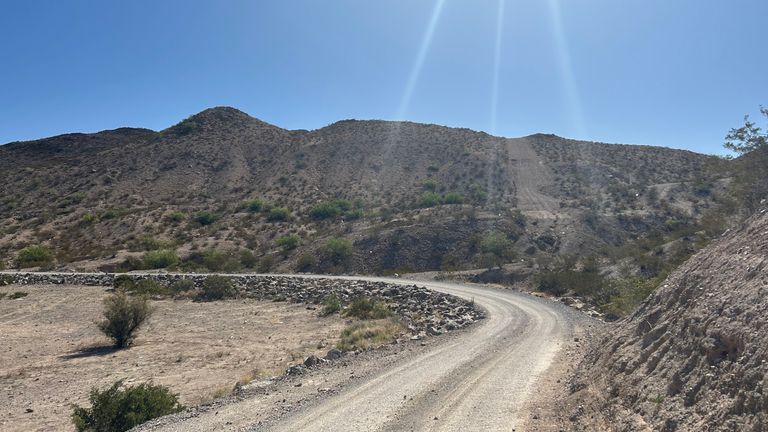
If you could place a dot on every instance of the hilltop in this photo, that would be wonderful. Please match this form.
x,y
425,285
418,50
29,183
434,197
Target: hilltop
x,y
222,189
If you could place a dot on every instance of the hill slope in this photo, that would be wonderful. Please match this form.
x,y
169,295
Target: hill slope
x,y
419,196
694,356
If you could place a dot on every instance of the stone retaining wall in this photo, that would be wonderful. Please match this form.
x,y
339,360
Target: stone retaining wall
x,y
424,310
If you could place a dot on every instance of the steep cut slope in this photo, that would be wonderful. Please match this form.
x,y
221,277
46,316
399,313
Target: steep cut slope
x,y
694,356
415,187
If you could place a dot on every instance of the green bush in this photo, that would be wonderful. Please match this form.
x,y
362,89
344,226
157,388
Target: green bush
x,y
278,214
123,316
326,210
114,213
217,288
124,283
266,263
331,304
429,185
182,286
6,280
162,258
453,198
430,199
120,408
253,205
496,249
336,255
289,242
248,259
177,217
18,295
88,219
151,243
205,218
367,308
34,256
306,263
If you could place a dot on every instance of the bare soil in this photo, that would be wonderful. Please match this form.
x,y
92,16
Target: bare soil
x,y
52,354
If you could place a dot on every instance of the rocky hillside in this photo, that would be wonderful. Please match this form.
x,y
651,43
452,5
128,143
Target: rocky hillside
x,y
694,356
223,190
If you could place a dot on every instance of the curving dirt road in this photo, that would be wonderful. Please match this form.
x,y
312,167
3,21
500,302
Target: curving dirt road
x,y
482,379
479,381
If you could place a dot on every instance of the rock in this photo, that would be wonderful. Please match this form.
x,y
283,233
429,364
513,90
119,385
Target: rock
x,y
333,354
312,361
296,370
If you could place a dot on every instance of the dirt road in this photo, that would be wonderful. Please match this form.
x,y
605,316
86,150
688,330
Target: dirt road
x,y
482,379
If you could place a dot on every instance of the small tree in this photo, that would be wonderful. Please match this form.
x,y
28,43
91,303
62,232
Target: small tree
x,y
119,408
751,142
123,315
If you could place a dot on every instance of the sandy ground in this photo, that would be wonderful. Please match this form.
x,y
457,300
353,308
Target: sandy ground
x,y
51,352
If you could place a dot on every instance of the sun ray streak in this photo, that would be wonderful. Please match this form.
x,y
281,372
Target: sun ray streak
x,y
418,65
566,70
497,67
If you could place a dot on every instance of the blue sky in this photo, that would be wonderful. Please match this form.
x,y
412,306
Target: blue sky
x,y
676,73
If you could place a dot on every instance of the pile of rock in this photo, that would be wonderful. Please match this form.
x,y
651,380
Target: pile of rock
x,y
424,311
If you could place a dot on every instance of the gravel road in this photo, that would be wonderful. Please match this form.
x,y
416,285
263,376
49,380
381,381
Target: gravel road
x,y
479,381
484,378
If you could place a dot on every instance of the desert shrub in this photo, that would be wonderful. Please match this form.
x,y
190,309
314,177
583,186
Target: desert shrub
x,y
367,308
35,256
176,217
278,214
216,261
453,198
253,205
331,304
114,213
123,283
248,259
18,295
6,279
217,288
339,249
496,249
366,334
430,199
555,283
625,295
289,242
306,263
477,194
266,263
162,258
182,286
429,185
123,316
325,210
120,408
151,243
204,218
88,219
